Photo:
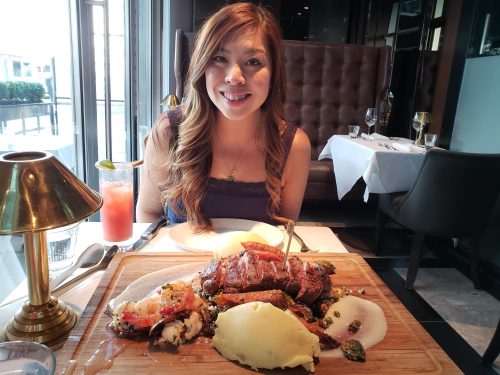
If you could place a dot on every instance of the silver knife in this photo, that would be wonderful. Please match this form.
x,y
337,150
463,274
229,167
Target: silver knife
x,y
149,233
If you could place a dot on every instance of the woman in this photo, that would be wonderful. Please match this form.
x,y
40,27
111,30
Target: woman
x,y
227,151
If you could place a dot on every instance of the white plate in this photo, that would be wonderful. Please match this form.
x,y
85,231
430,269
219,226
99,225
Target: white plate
x,y
146,286
184,237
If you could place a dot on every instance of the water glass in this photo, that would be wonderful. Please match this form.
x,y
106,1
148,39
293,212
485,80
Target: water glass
x,y
430,140
26,357
353,131
117,212
371,118
61,247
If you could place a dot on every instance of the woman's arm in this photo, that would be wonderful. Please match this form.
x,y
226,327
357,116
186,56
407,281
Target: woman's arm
x,y
295,176
154,172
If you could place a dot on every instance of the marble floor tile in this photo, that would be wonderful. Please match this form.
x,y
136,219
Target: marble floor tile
x,y
472,313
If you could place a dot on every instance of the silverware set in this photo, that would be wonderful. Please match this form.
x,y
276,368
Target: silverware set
x,y
303,247
389,147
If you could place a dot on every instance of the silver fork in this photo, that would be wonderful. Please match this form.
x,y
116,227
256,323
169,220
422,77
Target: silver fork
x,y
303,247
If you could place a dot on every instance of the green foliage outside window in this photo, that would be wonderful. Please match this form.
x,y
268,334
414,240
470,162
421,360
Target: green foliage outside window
x,y
21,92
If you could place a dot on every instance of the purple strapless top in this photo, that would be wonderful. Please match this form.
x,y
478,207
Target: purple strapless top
x,y
228,199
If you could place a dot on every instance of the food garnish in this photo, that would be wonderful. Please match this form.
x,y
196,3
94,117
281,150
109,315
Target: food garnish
x,y
105,164
353,350
354,326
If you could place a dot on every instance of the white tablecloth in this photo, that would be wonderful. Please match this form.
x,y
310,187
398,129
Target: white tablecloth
x,y
384,169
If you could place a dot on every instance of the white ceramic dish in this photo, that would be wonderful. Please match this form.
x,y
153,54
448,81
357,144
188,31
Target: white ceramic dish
x,y
184,237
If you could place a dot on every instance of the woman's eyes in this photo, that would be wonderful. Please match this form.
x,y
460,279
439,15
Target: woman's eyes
x,y
253,61
221,59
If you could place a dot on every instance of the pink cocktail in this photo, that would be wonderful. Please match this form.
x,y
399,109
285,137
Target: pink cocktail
x,y
117,212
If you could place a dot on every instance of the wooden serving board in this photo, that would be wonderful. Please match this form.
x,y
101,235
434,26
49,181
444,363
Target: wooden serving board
x,y
406,348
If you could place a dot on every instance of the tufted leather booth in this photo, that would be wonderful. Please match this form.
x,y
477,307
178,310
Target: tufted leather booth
x,y
330,87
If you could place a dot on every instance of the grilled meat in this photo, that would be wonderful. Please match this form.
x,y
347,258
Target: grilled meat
x,y
277,298
254,270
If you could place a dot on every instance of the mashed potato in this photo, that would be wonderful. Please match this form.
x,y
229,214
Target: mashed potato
x,y
230,243
262,336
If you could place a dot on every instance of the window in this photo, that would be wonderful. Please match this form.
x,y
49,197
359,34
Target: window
x,y
87,63
16,68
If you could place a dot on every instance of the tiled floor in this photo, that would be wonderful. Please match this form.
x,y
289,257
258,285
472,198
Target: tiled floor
x,y
460,318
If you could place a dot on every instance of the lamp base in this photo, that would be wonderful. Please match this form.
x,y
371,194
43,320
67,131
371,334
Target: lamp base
x,y
49,324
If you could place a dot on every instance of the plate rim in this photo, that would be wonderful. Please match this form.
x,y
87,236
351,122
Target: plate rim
x,y
221,219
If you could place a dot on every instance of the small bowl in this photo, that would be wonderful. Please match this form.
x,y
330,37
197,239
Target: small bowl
x,y
26,357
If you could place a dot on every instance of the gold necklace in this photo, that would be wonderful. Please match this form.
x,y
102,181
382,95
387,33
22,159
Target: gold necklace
x,y
231,177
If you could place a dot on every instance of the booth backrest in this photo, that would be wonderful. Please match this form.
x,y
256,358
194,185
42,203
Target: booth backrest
x,y
331,85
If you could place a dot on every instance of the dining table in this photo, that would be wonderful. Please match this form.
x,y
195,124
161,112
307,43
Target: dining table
x,y
318,238
406,347
387,165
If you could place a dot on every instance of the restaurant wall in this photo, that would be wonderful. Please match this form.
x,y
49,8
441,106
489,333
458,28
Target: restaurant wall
x,y
477,129
477,119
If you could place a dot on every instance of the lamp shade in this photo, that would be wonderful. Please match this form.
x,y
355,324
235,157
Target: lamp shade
x,y
170,101
37,192
422,117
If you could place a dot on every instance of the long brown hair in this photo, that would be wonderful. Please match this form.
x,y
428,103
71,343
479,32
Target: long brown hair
x,y
191,151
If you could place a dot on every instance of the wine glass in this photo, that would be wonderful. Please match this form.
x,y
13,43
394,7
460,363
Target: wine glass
x,y
371,117
419,121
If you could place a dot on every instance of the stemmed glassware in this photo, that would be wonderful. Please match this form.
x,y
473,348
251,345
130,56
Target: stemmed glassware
x,y
371,118
419,121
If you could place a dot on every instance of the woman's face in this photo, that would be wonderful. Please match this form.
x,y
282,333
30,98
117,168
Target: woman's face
x,y
238,76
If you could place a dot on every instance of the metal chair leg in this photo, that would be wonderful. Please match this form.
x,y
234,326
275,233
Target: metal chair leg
x,y
474,263
493,348
417,247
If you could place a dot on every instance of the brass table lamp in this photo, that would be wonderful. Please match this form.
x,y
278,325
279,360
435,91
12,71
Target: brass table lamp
x,y
170,101
37,193
421,118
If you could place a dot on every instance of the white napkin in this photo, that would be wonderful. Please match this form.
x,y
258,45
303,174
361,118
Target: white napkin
x,y
374,137
405,147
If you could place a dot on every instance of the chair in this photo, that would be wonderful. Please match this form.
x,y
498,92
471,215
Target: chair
x,y
182,54
453,196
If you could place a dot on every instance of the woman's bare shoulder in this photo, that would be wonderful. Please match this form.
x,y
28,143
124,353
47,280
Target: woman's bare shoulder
x,y
301,141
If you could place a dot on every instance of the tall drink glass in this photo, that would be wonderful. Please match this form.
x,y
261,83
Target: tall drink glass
x,y
117,212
